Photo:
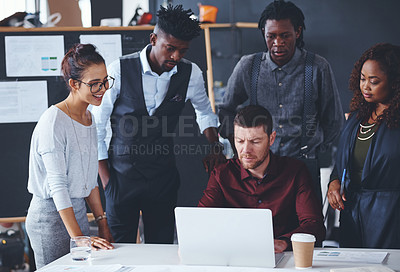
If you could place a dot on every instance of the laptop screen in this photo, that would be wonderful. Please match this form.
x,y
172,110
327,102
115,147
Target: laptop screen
x,y
225,236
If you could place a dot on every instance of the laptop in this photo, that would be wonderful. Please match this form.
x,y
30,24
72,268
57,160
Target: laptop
x,y
226,236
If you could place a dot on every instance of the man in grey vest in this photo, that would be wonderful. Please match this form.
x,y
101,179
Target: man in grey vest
x,y
151,87
306,121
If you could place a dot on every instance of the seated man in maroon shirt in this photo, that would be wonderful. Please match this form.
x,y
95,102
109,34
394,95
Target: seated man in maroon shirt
x,y
260,179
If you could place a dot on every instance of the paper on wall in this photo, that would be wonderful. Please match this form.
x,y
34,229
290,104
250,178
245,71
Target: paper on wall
x,y
108,45
22,101
34,55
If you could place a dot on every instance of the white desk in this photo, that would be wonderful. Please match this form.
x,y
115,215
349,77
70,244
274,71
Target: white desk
x,y
142,254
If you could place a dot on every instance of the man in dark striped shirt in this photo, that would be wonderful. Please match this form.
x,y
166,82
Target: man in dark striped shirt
x,y
280,88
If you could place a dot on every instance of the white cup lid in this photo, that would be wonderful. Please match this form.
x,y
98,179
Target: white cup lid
x,y
303,237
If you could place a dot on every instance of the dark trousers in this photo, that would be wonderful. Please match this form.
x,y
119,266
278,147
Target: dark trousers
x,y
156,198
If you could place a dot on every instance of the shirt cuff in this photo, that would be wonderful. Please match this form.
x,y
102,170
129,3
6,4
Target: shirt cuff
x,y
207,121
62,200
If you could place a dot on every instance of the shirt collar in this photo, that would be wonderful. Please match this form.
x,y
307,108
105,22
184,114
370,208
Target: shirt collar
x,y
146,66
288,67
272,168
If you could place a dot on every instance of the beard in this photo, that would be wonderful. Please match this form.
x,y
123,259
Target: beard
x,y
254,164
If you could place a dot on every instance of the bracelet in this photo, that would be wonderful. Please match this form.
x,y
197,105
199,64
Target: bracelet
x,y
100,217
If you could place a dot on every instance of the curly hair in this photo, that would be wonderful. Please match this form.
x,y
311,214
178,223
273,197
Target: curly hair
x,y
281,10
177,22
388,57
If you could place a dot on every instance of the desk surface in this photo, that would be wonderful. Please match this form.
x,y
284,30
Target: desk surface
x,y
144,254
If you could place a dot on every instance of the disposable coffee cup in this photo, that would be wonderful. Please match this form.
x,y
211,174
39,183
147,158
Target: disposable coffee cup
x,y
303,249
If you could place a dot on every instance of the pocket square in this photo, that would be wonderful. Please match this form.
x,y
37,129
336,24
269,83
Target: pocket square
x,y
176,98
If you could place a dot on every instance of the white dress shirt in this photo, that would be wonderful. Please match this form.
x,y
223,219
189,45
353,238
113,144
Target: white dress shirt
x,y
155,88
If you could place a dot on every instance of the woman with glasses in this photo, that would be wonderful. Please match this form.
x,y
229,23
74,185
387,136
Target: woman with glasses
x,y
63,162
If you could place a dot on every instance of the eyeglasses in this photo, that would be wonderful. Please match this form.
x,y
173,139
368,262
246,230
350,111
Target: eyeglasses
x,y
98,86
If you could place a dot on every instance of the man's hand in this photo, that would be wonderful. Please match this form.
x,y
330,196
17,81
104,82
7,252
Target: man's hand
x,y
213,159
334,197
216,156
280,245
104,172
104,231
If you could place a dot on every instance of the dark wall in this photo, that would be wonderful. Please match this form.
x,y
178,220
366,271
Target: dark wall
x,y
102,9
190,147
338,30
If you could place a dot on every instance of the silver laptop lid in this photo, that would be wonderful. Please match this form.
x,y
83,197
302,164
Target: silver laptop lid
x,y
225,236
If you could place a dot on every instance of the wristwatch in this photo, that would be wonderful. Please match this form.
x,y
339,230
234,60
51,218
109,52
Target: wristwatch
x,y
100,217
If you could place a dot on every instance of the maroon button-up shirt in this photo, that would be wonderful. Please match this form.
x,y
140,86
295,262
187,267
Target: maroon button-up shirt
x,y
285,189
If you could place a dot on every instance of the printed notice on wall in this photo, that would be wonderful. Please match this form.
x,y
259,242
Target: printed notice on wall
x,y
22,101
108,45
34,55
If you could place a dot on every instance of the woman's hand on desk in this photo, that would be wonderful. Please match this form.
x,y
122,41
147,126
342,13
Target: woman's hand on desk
x,y
100,243
334,197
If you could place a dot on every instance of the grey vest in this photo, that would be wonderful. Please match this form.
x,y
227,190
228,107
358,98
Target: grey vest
x,y
141,141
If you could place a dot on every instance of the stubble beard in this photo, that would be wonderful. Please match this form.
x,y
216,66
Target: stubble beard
x,y
255,164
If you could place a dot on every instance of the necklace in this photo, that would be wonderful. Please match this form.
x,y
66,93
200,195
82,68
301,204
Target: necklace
x,y
370,126
366,127
363,132
80,152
